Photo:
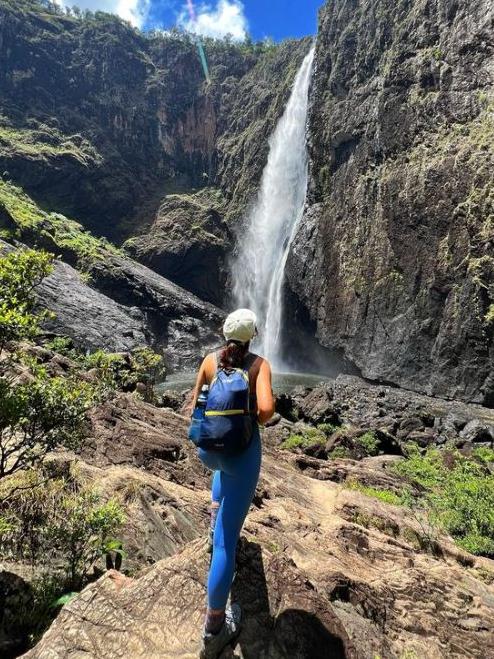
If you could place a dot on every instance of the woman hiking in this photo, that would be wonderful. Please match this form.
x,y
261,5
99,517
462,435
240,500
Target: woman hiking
x,y
240,398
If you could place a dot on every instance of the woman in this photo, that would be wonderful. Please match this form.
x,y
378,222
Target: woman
x,y
235,477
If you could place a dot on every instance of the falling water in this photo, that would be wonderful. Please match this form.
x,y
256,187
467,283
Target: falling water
x,y
259,270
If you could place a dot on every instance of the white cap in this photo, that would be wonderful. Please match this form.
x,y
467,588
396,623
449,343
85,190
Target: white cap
x,y
240,326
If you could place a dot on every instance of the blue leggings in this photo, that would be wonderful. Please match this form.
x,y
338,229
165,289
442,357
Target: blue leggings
x,y
234,484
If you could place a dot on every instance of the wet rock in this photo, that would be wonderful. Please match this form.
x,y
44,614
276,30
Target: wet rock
x,y
477,432
387,260
92,320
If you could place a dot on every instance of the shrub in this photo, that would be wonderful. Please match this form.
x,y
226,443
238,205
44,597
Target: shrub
x,y
340,452
368,442
20,272
293,442
117,371
38,416
308,438
459,494
327,428
60,523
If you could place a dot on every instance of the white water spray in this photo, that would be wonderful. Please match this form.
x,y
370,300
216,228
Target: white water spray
x,y
259,270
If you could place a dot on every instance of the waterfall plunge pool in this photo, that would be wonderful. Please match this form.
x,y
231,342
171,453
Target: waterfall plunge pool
x,y
282,382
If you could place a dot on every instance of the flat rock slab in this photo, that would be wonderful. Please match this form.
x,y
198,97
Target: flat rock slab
x,y
161,613
92,320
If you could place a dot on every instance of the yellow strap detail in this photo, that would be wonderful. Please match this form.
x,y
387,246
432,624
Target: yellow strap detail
x,y
225,413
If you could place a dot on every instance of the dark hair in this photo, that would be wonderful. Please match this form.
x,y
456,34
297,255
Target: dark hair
x,y
233,354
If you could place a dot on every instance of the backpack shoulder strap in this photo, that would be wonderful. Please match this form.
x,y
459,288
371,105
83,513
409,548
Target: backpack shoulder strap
x,y
249,361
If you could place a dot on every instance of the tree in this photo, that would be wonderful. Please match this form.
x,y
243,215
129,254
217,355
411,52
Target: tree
x,y
37,412
21,272
38,416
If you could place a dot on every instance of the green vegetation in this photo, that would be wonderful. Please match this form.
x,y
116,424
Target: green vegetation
x,y
37,412
60,233
460,493
117,371
38,416
458,496
386,496
308,438
328,428
20,272
61,527
340,453
44,141
63,520
369,443
489,316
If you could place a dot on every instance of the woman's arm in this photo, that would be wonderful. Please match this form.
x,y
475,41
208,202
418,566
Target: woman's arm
x,y
264,392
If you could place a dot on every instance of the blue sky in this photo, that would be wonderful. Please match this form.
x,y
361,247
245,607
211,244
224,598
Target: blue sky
x,y
260,18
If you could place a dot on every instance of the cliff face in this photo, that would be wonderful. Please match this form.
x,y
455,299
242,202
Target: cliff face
x,y
393,264
395,257
191,235
101,121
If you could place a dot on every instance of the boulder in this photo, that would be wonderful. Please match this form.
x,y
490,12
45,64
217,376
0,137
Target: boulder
x,y
91,319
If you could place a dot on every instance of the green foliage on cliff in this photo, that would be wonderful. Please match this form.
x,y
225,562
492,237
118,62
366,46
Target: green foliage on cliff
x,y
22,218
44,142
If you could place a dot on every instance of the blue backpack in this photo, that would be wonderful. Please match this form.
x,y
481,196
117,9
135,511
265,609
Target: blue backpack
x,y
227,426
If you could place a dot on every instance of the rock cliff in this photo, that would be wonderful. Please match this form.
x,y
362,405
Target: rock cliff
x,y
393,263
395,257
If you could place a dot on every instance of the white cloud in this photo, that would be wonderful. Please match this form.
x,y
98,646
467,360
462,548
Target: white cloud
x,y
226,17
134,11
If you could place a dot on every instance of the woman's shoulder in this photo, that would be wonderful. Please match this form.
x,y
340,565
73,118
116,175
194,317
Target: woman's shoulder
x,y
258,361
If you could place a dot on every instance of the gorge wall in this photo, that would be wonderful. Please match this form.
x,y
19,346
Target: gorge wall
x,y
107,125
395,258
393,265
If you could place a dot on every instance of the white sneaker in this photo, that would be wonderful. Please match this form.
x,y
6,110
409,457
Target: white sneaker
x,y
213,644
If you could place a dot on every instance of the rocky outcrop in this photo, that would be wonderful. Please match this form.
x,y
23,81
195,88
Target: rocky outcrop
x,y
394,257
181,323
321,568
188,243
126,305
93,321
396,415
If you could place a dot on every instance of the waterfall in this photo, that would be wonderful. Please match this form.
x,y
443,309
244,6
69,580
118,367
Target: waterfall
x,y
259,270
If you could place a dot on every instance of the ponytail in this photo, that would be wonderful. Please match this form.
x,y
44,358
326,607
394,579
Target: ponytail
x,y
233,354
